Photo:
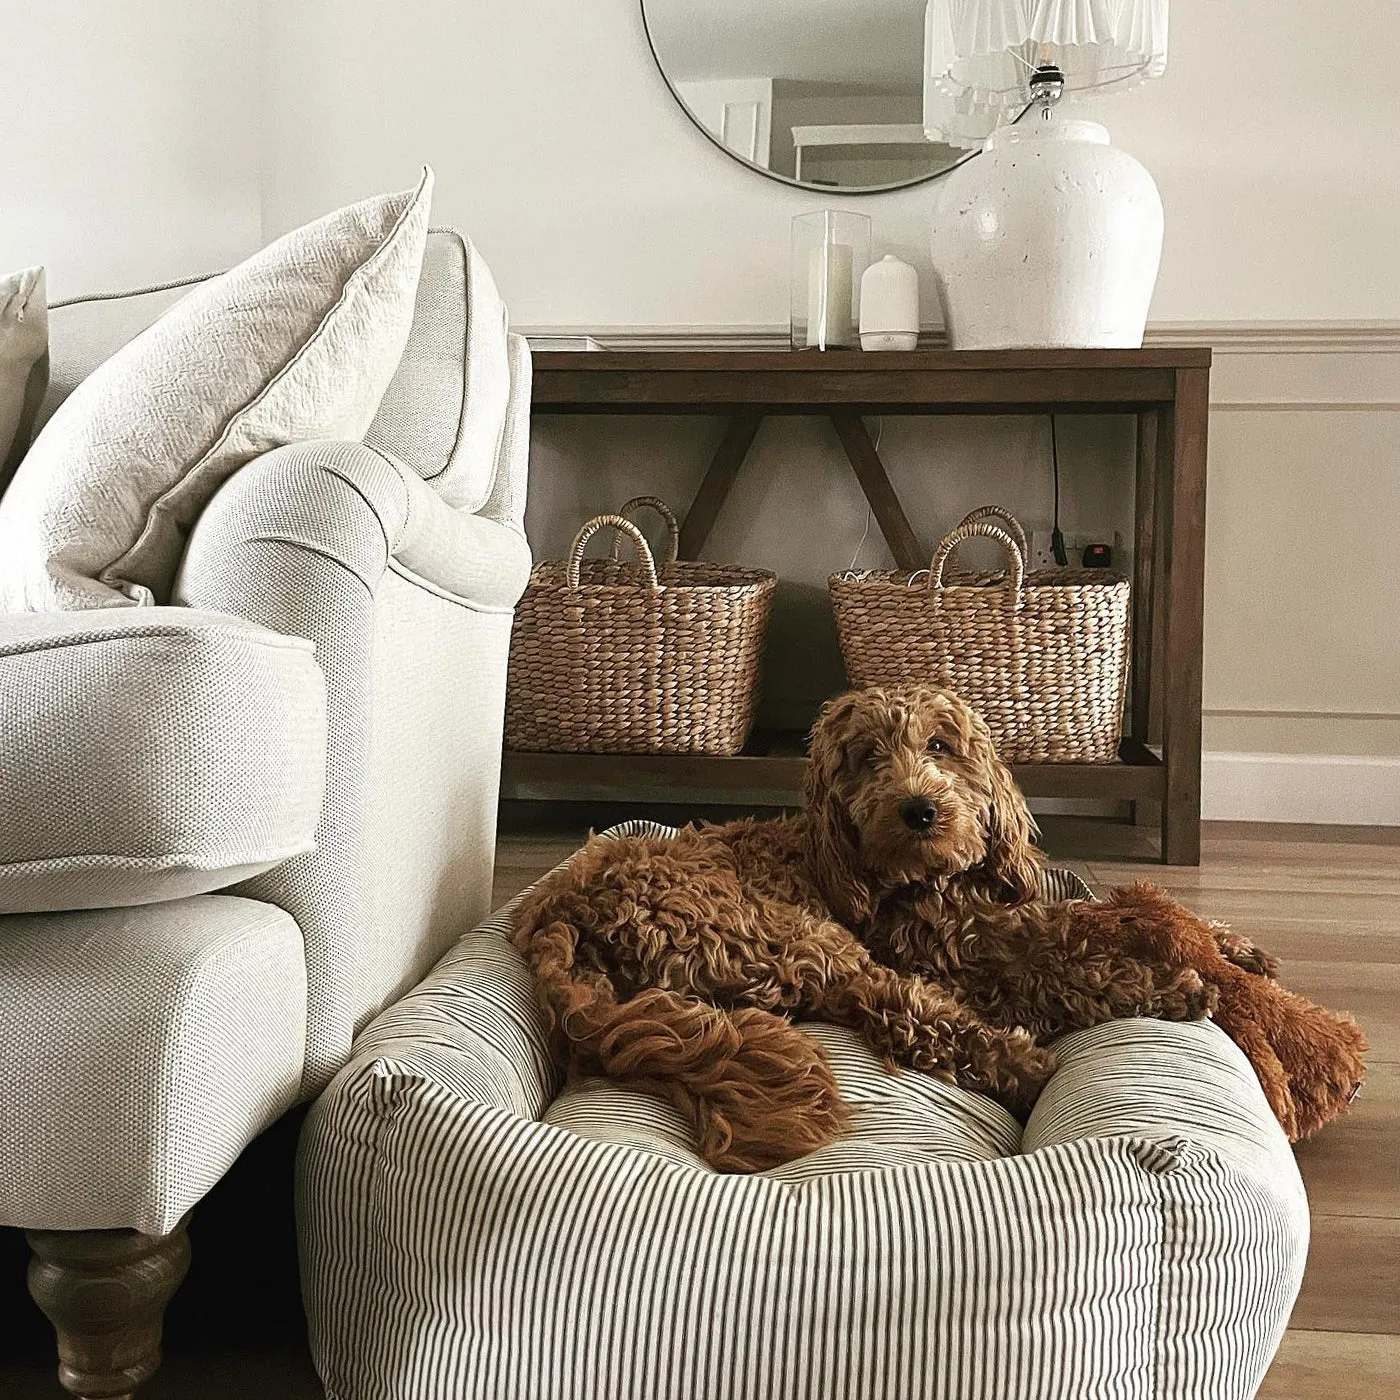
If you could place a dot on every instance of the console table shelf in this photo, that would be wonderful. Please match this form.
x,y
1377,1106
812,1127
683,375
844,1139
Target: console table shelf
x,y
1165,390
772,765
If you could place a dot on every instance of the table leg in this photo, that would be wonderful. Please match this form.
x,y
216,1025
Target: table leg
x,y
1145,701
719,477
1184,587
1144,571
875,482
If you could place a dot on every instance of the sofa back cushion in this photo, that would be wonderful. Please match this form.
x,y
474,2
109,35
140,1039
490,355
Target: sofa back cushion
x,y
444,412
298,342
24,344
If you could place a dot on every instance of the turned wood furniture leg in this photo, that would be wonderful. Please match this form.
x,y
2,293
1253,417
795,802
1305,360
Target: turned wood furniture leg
x,y
1184,585
875,482
105,1292
719,477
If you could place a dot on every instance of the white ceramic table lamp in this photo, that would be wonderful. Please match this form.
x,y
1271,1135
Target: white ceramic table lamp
x,y
1051,237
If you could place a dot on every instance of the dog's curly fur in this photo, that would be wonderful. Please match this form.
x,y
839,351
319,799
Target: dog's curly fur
x,y
903,902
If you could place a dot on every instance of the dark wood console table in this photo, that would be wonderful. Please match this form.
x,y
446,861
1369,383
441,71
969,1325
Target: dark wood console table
x,y
1166,391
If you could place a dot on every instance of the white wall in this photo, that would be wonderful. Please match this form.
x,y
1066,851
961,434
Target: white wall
x,y
598,205
1272,137
131,139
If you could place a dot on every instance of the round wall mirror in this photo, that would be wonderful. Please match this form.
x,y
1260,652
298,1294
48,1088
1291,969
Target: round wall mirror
x,y
825,94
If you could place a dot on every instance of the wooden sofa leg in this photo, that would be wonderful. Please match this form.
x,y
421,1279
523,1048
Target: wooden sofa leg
x,y
105,1292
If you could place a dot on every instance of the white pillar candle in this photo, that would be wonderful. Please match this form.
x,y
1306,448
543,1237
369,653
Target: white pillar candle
x,y
830,293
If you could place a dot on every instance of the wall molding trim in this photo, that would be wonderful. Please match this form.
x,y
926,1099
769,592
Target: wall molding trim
x,y
680,336
1281,337
1327,789
1225,337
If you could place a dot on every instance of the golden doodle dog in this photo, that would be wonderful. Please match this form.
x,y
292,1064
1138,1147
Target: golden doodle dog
x,y
903,902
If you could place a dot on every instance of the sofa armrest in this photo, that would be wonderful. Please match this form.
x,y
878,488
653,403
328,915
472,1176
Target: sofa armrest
x,y
148,754
356,510
475,559
408,602
506,503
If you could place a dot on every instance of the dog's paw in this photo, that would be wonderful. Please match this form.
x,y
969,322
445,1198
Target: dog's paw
x,y
1020,1072
1186,997
1243,952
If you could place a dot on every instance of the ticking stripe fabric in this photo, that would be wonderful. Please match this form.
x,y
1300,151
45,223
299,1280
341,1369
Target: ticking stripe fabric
x,y
474,1227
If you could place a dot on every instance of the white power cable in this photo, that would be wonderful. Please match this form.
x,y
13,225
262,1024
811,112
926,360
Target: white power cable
x,y
865,534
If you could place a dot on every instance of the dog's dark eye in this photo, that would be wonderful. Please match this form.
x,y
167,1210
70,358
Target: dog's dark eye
x,y
937,745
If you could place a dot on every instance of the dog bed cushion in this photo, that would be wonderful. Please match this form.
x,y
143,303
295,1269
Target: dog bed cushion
x,y
471,1227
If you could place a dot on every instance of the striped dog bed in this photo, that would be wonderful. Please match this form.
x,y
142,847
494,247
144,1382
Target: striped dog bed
x,y
474,1227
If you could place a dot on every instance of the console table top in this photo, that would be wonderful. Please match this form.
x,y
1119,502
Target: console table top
x,y
827,361
917,381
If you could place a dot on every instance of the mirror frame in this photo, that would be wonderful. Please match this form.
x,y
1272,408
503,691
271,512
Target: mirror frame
x,y
788,180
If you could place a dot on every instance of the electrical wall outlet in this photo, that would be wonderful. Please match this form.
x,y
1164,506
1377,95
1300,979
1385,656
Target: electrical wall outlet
x,y
1076,541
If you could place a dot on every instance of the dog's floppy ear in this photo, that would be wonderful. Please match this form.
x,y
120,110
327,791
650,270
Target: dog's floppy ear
x,y
1012,859
835,847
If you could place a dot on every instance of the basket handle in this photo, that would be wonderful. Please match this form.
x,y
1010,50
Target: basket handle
x,y
1005,519
673,530
621,526
954,538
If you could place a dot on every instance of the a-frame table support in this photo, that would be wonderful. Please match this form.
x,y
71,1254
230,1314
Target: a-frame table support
x,y
865,461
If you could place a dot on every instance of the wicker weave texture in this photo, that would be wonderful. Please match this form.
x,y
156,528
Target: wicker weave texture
x,y
614,657
1041,656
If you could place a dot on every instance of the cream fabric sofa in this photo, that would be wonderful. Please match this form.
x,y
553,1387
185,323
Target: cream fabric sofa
x,y
253,819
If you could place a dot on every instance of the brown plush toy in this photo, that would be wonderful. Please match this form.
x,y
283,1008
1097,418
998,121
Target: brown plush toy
x,y
1308,1059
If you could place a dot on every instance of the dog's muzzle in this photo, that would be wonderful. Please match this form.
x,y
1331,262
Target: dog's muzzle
x,y
919,814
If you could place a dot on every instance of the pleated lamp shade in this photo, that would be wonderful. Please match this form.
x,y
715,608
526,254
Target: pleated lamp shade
x,y
979,55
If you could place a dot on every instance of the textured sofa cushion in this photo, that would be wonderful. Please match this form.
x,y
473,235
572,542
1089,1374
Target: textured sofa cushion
x,y
152,753
24,342
87,330
298,342
143,1050
469,1230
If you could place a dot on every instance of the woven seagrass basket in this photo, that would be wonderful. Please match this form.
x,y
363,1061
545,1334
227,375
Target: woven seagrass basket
x,y
1042,657
614,657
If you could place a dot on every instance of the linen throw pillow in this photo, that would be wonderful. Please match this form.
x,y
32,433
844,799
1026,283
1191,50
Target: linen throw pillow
x,y
297,343
24,345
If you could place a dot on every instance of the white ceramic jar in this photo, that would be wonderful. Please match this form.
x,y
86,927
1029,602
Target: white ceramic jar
x,y
1051,237
889,306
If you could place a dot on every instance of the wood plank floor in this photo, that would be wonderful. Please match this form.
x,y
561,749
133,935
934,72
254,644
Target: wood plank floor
x,y
1327,901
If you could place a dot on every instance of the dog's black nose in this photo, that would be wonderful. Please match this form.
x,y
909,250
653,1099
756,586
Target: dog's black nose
x,y
919,813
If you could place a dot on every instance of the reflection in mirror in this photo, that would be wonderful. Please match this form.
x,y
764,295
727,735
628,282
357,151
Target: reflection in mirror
x,y
825,93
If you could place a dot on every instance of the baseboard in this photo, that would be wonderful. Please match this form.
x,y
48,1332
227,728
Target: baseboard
x,y
1326,789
